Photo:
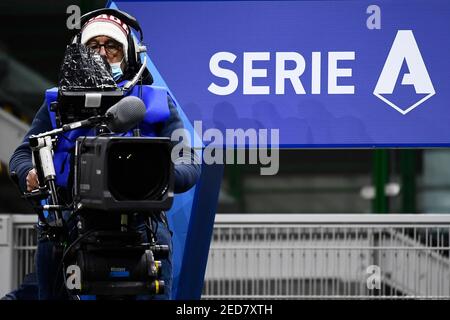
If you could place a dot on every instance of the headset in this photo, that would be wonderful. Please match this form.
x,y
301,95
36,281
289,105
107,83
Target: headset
x,y
135,66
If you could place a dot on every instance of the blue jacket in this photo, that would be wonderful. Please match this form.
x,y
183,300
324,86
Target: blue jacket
x,y
186,175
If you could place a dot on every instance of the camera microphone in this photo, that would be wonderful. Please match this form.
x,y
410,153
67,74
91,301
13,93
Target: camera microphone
x,y
121,117
125,114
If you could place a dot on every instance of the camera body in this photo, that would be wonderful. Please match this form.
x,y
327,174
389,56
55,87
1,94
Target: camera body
x,y
123,174
117,181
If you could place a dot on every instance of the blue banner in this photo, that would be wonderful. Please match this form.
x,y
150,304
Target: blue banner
x,y
310,74
324,73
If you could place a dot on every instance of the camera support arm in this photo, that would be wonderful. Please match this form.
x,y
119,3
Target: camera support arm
x,y
92,121
42,149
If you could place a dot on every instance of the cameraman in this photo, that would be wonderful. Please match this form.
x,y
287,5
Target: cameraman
x,y
107,35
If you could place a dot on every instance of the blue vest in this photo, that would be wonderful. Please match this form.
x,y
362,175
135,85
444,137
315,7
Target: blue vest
x,y
155,99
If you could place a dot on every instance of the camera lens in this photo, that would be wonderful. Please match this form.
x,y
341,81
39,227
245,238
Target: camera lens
x,y
137,171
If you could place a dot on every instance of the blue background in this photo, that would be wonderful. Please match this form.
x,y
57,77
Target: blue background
x,y
183,35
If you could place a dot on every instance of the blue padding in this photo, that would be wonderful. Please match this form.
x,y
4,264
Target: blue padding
x,y
199,234
119,274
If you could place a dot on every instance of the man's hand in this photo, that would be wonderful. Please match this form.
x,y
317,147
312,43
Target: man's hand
x,y
32,180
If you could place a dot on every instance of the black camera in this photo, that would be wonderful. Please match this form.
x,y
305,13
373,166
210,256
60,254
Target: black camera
x,y
118,187
116,178
116,174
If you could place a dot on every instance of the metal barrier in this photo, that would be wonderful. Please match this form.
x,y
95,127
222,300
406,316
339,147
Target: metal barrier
x,y
24,250
355,256
281,256
17,249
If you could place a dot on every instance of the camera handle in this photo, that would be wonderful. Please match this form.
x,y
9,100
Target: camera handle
x,y
42,149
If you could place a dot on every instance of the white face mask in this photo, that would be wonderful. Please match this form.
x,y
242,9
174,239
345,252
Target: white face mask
x,y
116,70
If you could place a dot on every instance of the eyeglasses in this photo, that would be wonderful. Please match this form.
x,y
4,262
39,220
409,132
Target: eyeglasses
x,y
111,48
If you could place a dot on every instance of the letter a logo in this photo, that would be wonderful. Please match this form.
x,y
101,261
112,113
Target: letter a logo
x,y
374,280
74,277
404,49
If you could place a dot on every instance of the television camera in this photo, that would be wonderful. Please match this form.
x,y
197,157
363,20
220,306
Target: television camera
x,y
116,183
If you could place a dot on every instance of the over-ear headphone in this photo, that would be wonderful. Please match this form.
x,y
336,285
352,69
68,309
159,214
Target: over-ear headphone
x,y
134,60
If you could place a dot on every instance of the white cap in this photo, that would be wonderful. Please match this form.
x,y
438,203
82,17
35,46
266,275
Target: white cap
x,y
109,26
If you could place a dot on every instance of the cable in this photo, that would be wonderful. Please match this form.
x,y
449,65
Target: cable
x,y
61,264
152,233
72,216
